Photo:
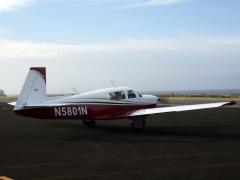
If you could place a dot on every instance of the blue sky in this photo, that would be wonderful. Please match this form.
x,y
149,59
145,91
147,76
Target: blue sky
x,y
81,21
146,44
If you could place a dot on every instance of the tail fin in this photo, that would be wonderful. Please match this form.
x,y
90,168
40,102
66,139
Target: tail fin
x,y
34,88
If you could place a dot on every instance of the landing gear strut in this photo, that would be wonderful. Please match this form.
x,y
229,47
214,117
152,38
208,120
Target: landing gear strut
x,y
138,122
90,123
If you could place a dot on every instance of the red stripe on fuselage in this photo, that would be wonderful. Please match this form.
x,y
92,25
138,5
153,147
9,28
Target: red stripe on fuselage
x,y
83,111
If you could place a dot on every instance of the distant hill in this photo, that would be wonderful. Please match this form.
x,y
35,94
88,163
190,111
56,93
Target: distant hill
x,y
227,92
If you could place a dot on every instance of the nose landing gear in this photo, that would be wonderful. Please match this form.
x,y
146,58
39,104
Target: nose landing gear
x,y
138,122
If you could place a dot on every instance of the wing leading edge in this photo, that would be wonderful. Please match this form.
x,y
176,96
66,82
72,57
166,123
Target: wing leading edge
x,y
150,111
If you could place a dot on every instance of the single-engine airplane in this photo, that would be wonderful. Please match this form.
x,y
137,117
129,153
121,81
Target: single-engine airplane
x,y
104,104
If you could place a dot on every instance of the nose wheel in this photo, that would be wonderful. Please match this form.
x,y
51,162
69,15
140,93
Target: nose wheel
x,y
90,123
138,122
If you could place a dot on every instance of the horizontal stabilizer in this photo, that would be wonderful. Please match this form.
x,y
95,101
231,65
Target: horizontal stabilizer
x,y
49,105
12,103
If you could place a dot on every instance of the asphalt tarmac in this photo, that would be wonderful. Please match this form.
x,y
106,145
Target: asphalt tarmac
x,y
189,145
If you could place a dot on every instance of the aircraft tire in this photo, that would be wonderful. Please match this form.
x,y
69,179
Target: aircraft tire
x,y
138,122
90,123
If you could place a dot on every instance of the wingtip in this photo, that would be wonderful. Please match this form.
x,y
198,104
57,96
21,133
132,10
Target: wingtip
x,y
231,103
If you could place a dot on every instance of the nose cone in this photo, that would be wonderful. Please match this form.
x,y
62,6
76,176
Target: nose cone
x,y
156,99
151,99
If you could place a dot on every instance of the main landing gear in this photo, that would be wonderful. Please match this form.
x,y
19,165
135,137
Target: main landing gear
x,y
90,123
138,122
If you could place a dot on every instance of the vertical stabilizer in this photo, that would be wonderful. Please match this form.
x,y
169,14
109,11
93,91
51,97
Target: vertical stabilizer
x,y
34,88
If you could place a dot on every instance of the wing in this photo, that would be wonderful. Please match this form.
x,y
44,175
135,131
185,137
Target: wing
x,y
143,112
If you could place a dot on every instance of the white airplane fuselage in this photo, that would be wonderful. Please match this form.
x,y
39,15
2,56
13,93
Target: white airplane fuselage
x,y
104,104
97,105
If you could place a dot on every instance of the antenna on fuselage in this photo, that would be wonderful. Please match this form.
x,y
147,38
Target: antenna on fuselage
x,y
113,84
75,91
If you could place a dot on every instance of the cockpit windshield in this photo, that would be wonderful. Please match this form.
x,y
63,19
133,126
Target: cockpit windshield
x,y
139,94
131,94
117,95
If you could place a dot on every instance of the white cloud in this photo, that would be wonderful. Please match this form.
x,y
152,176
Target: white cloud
x,y
9,5
155,3
129,3
27,49
161,64
124,4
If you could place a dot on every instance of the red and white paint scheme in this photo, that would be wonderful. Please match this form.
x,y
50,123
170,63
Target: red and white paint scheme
x,y
104,104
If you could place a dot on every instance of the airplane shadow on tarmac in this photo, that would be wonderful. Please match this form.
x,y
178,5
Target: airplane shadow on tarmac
x,y
214,131
118,134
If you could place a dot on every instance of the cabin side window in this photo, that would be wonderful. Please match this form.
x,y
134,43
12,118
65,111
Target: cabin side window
x,y
131,94
117,95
